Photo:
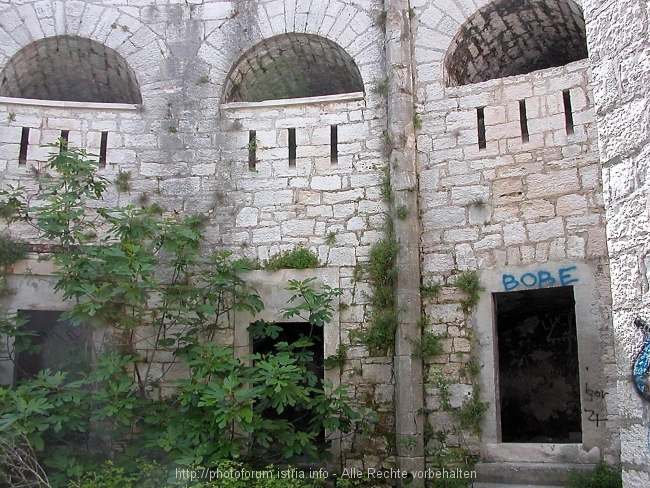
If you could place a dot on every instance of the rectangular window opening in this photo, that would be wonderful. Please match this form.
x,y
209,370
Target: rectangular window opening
x,y
480,116
334,143
523,120
568,111
252,150
24,143
63,142
292,148
102,149
289,333
58,345
538,368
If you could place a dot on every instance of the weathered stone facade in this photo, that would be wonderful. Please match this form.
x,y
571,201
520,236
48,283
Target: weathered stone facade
x,y
484,114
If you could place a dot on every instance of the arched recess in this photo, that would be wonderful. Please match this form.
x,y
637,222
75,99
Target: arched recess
x,y
513,37
69,68
292,66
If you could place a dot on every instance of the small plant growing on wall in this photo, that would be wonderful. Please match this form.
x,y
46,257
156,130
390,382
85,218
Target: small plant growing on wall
x,y
431,290
417,120
428,346
11,250
380,87
384,185
298,258
402,212
123,181
468,281
381,270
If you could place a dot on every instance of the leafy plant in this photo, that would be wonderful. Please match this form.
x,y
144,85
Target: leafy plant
x,y
337,360
381,18
123,181
331,238
468,281
428,345
431,290
473,368
604,476
379,338
381,87
471,413
11,250
389,144
402,212
385,186
477,202
149,283
203,79
297,258
417,120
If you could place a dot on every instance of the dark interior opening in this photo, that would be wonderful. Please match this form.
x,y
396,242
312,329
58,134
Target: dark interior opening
x,y
538,366
290,333
57,345
69,68
292,65
514,37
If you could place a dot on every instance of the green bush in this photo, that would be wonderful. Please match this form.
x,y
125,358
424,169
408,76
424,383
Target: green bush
x,y
604,476
11,250
149,284
298,258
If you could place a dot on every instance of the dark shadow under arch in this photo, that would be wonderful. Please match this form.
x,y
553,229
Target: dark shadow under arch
x,y
514,37
292,66
69,68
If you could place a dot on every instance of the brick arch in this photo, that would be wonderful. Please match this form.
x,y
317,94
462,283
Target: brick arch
x,y
69,68
350,25
111,27
292,66
506,38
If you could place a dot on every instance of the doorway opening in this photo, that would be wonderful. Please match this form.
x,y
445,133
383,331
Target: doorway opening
x,y
539,385
56,345
305,341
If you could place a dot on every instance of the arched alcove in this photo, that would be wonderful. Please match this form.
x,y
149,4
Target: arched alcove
x,y
513,37
69,68
292,66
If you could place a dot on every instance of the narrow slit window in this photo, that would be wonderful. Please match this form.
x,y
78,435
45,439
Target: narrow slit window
x,y
334,144
252,149
102,149
63,143
568,111
480,116
523,121
24,143
292,147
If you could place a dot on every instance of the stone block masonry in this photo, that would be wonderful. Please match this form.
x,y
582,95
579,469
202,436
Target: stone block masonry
x,y
219,107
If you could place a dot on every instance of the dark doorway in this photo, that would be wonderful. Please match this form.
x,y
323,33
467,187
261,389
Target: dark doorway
x,y
538,366
290,333
57,345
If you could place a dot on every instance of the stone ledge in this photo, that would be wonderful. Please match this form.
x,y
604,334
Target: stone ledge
x,y
68,104
342,97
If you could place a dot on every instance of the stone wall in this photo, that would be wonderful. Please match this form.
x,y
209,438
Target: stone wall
x,y
619,48
187,150
508,173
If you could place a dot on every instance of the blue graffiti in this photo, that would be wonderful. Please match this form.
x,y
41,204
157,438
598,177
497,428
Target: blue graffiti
x,y
540,279
641,367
